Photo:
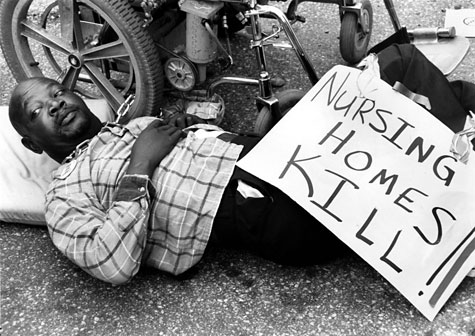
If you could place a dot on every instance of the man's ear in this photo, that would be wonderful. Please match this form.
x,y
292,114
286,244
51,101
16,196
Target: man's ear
x,y
31,145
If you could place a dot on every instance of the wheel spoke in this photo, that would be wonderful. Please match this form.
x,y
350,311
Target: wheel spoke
x,y
70,23
70,77
66,8
110,93
42,36
114,49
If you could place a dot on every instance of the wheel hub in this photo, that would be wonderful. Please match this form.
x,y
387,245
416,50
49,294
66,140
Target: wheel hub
x,y
75,60
180,73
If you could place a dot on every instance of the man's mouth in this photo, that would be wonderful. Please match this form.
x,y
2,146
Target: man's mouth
x,y
66,118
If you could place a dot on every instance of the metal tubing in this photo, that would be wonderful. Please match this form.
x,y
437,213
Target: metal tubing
x,y
265,86
392,14
229,80
280,16
258,48
337,2
210,31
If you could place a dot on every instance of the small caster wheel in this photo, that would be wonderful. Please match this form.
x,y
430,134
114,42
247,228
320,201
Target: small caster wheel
x,y
181,73
265,120
355,33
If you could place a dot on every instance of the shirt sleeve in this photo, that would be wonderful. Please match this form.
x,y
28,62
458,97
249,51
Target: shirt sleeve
x,y
106,243
133,187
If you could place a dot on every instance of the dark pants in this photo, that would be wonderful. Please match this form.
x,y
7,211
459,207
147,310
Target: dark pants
x,y
449,101
274,226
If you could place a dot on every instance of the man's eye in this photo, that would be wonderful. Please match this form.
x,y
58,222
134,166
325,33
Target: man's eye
x,y
35,113
59,92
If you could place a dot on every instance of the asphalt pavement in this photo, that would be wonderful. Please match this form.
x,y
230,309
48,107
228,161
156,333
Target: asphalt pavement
x,y
231,292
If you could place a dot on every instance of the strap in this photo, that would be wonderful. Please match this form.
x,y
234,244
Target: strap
x,y
419,99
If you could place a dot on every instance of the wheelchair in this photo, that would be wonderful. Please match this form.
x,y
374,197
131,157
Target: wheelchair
x,y
128,51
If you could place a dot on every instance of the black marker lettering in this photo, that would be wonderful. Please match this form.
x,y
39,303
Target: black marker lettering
x,y
448,279
363,109
450,256
359,234
417,143
405,197
343,141
332,197
294,162
383,179
398,133
439,226
346,107
331,80
367,155
383,121
450,173
385,256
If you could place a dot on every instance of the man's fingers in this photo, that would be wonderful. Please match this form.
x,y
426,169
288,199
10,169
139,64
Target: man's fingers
x,y
157,123
180,122
177,134
172,131
169,129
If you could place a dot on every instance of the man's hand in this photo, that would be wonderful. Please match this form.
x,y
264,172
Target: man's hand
x,y
152,145
182,120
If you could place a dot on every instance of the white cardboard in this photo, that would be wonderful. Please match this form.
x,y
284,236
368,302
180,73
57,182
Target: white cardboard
x,y
332,153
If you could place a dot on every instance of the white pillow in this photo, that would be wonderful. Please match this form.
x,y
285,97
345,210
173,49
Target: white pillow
x,y
24,175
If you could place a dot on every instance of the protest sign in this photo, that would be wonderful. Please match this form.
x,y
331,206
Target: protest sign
x,y
375,168
462,19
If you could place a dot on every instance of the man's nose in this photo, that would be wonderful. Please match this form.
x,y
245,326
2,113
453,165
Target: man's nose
x,y
55,105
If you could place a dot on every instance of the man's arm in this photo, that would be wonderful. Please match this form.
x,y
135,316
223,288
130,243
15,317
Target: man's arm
x,y
147,154
108,240
153,144
106,243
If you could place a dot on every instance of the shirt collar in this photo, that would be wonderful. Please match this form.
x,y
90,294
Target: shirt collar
x,y
78,151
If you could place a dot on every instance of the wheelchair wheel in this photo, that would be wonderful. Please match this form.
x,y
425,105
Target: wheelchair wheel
x,y
265,120
181,73
355,33
97,48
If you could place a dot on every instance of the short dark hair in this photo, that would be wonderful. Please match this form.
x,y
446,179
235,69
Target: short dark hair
x,y
14,106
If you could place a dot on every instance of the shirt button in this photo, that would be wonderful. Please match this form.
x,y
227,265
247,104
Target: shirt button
x,y
142,189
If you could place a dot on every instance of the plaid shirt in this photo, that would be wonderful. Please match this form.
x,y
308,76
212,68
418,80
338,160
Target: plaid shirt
x,y
108,223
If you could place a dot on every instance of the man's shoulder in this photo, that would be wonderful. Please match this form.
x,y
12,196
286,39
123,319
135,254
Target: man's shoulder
x,y
140,121
135,125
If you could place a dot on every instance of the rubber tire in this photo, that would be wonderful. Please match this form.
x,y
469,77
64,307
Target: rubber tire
x,y
353,49
125,22
265,120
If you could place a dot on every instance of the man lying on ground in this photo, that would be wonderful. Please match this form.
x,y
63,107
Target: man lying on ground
x,y
157,192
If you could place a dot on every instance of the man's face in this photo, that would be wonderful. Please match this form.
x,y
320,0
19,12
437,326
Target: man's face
x,y
52,116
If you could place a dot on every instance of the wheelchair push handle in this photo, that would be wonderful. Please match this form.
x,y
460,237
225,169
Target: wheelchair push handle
x,y
432,33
